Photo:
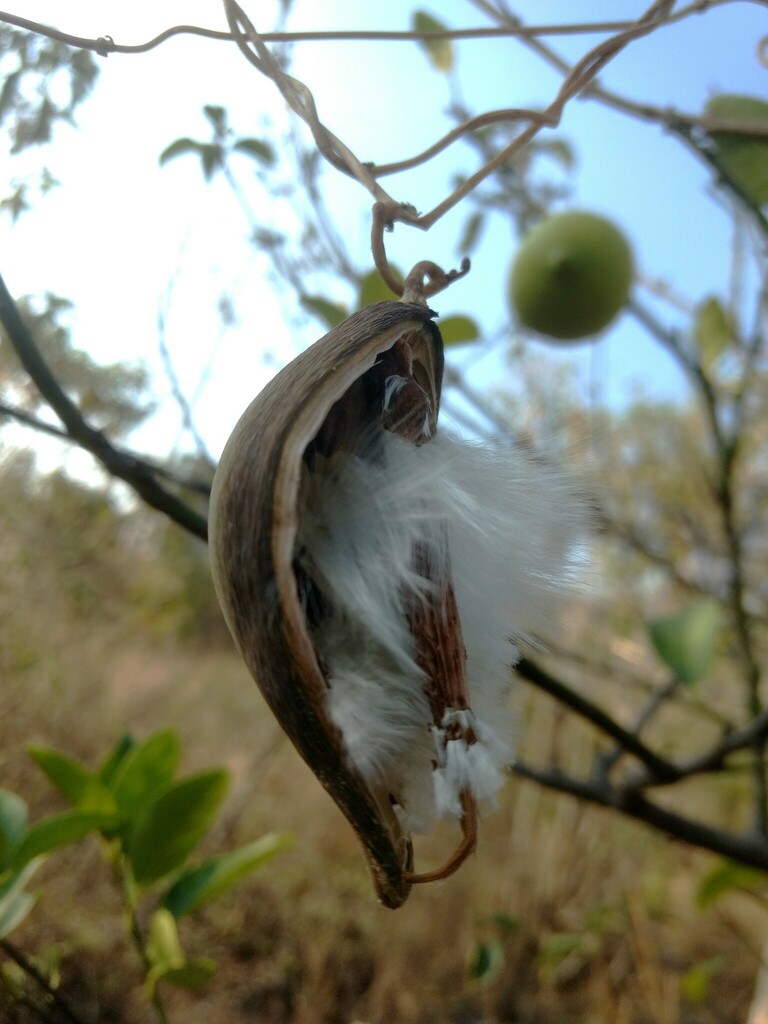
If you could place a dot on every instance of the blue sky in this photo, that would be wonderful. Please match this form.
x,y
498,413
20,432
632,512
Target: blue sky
x,y
120,227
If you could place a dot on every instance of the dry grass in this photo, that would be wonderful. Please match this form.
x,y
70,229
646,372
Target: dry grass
x,y
592,919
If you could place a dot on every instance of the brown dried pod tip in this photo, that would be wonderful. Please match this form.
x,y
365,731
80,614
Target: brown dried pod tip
x,y
339,519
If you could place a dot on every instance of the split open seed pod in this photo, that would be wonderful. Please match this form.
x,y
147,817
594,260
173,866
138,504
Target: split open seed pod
x,y
351,543
326,400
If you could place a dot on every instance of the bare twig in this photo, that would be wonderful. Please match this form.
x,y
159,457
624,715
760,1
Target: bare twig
x,y
726,447
28,420
745,849
657,700
21,960
682,124
201,487
185,408
106,45
578,78
138,474
659,767
627,534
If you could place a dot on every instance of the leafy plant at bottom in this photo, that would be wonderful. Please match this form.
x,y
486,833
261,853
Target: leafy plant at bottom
x,y
150,824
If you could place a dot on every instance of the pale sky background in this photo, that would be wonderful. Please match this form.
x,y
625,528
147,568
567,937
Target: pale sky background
x,y
121,227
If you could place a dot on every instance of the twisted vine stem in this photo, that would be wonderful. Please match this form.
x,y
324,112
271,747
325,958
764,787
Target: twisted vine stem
x,y
580,78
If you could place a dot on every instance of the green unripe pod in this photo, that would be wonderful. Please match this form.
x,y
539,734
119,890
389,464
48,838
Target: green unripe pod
x,y
571,276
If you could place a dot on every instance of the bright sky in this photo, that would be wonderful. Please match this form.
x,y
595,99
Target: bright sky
x,y
120,228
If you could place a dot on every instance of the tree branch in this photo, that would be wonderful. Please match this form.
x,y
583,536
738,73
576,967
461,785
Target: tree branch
x,y
201,487
726,448
746,849
15,954
683,125
659,768
105,45
627,534
139,475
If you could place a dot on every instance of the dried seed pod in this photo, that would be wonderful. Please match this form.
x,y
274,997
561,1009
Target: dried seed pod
x,y
353,550
324,401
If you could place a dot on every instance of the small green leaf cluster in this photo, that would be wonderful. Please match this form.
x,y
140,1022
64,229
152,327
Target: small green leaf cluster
x,y
150,823
32,97
213,155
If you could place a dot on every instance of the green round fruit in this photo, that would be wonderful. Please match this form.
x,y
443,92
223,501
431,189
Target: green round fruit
x,y
571,275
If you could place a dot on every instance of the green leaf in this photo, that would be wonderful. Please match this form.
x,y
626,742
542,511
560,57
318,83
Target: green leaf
x,y
505,923
331,313
174,824
15,903
713,330
743,157
163,943
486,962
167,959
146,770
13,909
725,877
373,288
471,234
109,768
211,157
179,148
80,786
9,93
687,641
60,830
217,116
257,149
557,149
213,876
456,330
191,975
439,51
13,823
696,983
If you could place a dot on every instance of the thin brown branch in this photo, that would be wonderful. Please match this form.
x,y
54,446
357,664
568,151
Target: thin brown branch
x,y
472,124
26,419
627,534
745,849
138,474
658,767
184,406
682,124
21,960
578,78
654,704
726,450
299,98
714,759
105,45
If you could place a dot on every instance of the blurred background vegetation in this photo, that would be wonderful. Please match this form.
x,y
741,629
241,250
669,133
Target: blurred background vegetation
x,y
647,710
